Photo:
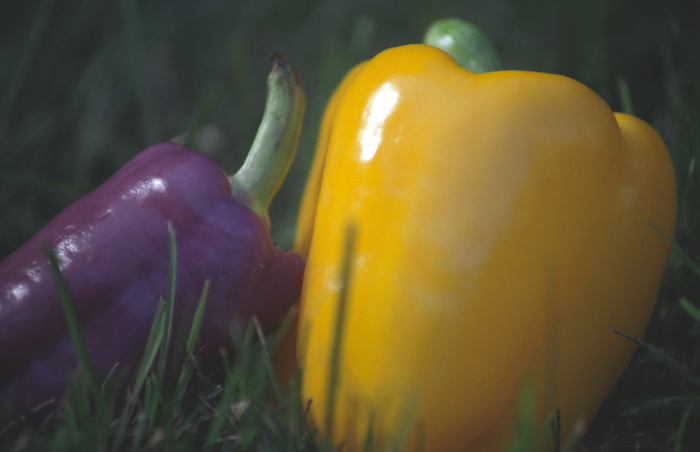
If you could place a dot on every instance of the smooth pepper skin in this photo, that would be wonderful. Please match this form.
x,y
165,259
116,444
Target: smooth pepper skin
x,y
112,247
506,223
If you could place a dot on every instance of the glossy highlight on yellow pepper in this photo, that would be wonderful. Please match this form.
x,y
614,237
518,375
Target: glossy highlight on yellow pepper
x,y
506,222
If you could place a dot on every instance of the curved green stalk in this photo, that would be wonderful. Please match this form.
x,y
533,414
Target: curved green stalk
x,y
273,149
466,43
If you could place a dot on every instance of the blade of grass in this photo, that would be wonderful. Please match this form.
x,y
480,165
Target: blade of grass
x,y
691,309
197,319
189,361
575,438
153,346
150,352
170,302
156,346
677,250
289,318
525,418
220,414
369,436
625,96
678,444
235,382
656,404
336,352
81,352
685,258
156,380
267,360
660,355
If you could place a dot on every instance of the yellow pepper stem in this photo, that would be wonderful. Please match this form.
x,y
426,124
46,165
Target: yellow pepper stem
x,y
466,43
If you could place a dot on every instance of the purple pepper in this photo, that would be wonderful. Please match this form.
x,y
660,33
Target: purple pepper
x,y
112,248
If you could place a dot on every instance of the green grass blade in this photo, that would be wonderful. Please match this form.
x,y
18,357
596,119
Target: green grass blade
x,y
525,418
220,415
81,352
573,443
649,405
661,355
197,319
289,318
153,345
691,309
678,445
625,96
189,361
267,360
156,346
170,302
685,258
336,353
677,251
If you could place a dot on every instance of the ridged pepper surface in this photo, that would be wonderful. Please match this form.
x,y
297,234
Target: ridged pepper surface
x,y
505,224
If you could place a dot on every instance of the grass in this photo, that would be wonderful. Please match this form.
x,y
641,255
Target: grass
x,y
171,404
82,89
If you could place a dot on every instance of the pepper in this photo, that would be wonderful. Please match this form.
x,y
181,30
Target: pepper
x,y
112,249
505,224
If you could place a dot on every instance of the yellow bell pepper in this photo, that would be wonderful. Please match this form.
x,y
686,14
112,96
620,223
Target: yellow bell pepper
x,y
506,224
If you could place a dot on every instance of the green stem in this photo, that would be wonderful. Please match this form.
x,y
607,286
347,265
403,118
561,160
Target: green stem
x,y
466,43
273,149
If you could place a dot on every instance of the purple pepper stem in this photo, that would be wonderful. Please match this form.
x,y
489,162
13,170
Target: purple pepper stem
x,y
273,149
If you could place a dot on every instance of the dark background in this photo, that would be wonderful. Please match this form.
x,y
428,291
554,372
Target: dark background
x,y
85,85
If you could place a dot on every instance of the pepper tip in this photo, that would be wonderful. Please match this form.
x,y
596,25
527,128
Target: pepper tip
x,y
278,60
